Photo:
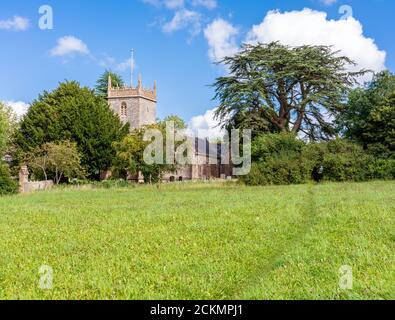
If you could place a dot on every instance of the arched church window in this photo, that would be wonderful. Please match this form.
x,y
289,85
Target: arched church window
x,y
124,110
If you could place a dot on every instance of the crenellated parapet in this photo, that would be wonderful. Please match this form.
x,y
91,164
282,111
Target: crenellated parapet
x,y
128,92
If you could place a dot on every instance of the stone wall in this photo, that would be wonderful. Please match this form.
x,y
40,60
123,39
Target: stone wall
x,y
32,186
147,112
26,186
140,111
140,104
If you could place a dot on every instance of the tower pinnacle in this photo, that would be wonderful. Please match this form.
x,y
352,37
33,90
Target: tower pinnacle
x,y
109,84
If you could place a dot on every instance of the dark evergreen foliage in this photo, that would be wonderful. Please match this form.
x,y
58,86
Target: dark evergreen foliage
x,y
290,89
74,113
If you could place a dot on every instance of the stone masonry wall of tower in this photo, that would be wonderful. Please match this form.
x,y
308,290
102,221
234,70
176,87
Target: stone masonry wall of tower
x,y
136,105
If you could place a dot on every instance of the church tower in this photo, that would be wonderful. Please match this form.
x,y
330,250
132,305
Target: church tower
x,y
136,105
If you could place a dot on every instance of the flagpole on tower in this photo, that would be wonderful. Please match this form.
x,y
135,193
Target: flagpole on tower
x,y
131,68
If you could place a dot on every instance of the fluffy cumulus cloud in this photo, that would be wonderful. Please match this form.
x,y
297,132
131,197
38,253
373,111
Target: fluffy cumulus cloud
x,y
186,14
205,126
293,28
314,28
69,45
16,23
184,19
221,37
19,107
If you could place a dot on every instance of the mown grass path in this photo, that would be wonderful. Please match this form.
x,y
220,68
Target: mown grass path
x,y
308,212
200,241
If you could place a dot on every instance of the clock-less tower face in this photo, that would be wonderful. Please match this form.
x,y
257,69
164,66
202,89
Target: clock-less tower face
x,y
136,106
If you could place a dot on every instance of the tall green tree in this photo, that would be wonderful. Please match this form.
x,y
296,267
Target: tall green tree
x,y
293,89
57,160
7,125
379,131
254,120
177,121
7,184
130,151
369,115
74,113
102,83
4,128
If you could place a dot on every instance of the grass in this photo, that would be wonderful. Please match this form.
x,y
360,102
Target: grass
x,y
200,241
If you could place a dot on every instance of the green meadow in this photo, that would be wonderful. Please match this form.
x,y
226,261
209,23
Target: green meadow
x,y
200,241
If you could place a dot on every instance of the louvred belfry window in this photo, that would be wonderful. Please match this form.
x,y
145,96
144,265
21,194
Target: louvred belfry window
x,y
124,110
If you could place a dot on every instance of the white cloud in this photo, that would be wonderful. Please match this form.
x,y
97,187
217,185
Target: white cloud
x,y
174,4
209,4
155,3
16,23
311,27
125,65
171,4
184,19
19,107
205,126
107,61
69,45
221,38
328,2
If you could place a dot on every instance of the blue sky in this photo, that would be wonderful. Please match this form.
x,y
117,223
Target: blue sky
x,y
176,42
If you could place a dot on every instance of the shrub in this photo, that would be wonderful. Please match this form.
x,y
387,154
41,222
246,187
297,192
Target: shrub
x,y
278,159
271,146
79,182
7,184
111,184
283,159
278,172
382,169
338,160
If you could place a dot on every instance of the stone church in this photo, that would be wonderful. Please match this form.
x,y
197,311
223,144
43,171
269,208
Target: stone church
x,y
137,106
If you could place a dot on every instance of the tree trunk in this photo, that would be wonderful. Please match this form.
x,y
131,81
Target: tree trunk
x,y
45,174
298,122
60,177
56,176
